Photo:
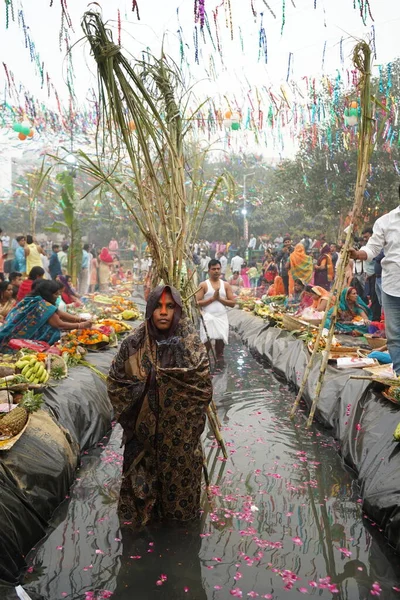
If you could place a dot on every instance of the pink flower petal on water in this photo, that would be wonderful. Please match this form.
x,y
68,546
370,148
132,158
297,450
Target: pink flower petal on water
x,y
59,547
253,594
303,590
185,589
297,541
99,551
237,592
345,552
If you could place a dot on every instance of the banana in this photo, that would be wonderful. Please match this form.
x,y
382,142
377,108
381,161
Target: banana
x,y
33,361
43,376
26,369
21,364
36,380
37,366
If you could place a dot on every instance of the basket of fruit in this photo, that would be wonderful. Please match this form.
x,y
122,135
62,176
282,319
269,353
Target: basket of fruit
x,y
392,393
33,368
15,419
291,323
91,339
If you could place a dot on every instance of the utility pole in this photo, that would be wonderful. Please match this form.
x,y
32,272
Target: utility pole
x,y
244,209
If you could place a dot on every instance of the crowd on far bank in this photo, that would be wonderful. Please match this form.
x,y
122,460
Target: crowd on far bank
x,y
37,287
274,266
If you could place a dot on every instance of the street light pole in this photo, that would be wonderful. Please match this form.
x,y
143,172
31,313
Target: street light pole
x,y
244,209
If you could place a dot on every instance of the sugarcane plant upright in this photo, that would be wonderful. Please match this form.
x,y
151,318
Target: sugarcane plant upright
x,y
143,106
362,59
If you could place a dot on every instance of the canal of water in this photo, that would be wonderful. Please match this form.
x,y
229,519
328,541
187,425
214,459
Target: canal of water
x,y
284,518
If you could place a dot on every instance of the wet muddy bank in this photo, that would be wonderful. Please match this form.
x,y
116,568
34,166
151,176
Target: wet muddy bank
x,y
361,421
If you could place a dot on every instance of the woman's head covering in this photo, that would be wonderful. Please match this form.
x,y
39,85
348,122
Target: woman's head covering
x,y
359,307
320,291
325,254
105,256
301,266
151,306
67,287
279,288
325,249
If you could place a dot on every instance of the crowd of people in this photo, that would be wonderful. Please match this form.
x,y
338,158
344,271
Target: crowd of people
x,y
36,287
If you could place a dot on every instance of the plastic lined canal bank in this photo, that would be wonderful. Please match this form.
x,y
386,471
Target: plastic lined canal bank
x,y
285,518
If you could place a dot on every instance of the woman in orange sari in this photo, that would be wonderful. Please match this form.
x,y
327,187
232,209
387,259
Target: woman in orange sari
x,y
301,267
277,288
324,271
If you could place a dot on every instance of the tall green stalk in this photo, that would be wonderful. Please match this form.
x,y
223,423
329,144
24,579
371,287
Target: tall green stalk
x,y
71,221
142,104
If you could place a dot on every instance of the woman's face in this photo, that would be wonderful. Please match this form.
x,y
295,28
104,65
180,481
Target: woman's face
x,y
352,296
8,293
164,312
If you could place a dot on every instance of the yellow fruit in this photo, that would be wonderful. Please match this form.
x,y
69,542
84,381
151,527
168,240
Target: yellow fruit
x,y
13,422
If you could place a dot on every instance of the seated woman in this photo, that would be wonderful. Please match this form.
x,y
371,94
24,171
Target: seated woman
x,y
351,309
7,301
36,317
236,282
315,308
69,295
295,299
277,288
160,386
26,286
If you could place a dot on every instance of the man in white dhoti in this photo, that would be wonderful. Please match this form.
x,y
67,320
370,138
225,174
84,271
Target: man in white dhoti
x,y
213,297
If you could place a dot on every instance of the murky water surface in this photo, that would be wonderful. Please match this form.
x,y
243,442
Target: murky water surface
x,y
283,521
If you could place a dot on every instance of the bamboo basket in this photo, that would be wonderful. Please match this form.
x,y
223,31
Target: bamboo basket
x,y
292,324
375,342
9,443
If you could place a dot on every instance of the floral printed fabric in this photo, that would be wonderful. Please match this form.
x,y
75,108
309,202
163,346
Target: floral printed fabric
x,y
162,411
28,320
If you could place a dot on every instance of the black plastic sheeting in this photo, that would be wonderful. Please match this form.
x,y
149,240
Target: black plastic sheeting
x,y
361,420
36,474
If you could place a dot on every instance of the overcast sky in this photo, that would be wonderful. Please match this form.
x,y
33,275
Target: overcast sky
x,y
312,37
304,35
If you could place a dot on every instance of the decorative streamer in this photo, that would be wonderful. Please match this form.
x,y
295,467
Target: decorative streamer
x,y
209,31
241,39
269,8
369,10
215,16
289,65
323,56
283,15
181,47
262,41
135,7
253,10
228,16
119,27
201,13
196,45
373,41
341,51
389,80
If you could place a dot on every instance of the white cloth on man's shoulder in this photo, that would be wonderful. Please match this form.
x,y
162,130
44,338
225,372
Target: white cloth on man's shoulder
x,y
215,316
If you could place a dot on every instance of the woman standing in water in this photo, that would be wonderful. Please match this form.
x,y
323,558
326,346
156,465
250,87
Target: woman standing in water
x,y
160,385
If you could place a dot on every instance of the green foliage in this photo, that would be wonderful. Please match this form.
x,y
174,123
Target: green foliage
x,y
72,222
